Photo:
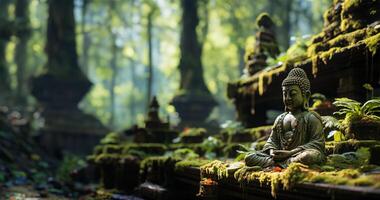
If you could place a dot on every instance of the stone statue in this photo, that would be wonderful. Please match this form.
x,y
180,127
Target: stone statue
x,y
296,134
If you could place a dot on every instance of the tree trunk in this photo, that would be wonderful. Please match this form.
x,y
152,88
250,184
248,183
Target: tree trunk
x,y
23,34
282,9
241,53
150,60
194,102
5,33
61,44
86,39
190,64
287,26
132,101
113,63
63,84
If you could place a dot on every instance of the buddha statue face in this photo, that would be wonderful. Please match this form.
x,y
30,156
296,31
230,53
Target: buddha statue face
x,y
293,98
296,91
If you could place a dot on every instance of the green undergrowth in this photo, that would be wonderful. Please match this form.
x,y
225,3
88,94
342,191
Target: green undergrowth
x,y
349,145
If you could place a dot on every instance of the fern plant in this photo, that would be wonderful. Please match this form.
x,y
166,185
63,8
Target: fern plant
x,y
354,111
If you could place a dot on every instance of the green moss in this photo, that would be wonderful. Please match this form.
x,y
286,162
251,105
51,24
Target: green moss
x,y
147,148
105,158
373,43
350,25
352,177
181,165
264,20
185,153
157,160
112,149
98,149
293,174
349,145
342,40
349,6
349,160
327,55
215,168
111,138
363,181
193,132
247,174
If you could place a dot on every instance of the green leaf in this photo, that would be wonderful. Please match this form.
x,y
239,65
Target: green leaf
x,y
370,105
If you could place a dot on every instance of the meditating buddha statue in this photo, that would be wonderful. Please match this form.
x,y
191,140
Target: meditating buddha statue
x,y
296,134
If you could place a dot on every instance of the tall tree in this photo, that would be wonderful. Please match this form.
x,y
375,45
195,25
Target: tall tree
x,y
113,63
5,34
281,10
195,102
23,35
150,57
86,39
190,65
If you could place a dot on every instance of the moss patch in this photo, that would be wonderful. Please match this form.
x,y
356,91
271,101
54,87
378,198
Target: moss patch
x,y
373,43
181,165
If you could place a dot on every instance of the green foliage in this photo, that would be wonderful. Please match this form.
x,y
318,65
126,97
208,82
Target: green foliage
x,y
222,52
2,177
355,111
211,146
68,165
232,127
350,159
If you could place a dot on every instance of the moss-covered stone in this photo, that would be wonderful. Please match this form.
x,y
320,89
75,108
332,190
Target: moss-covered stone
x,y
148,148
157,169
182,165
373,43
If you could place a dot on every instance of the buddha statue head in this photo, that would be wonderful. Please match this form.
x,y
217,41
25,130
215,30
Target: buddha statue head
x,y
296,91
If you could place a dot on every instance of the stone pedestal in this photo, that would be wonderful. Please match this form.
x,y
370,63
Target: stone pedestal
x,y
194,109
66,128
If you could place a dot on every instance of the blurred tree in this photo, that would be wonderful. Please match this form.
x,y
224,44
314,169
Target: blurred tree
x,y
86,38
23,31
281,10
194,102
152,11
6,27
113,61
63,84
190,65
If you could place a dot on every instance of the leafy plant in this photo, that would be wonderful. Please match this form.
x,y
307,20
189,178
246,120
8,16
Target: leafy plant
x,y
232,127
354,111
67,166
211,146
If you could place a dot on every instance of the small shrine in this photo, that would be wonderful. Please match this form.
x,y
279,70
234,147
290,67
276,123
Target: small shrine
x,y
155,130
